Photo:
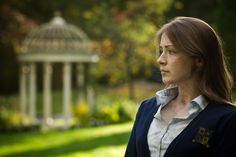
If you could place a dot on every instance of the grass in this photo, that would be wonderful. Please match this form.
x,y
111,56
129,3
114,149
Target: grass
x,y
85,142
106,141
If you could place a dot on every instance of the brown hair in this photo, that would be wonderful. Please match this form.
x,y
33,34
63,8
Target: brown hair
x,y
198,39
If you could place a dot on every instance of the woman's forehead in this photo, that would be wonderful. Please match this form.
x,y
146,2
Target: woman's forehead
x,y
165,41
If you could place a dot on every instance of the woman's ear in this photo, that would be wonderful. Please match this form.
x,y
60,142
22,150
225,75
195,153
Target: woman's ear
x,y
199,63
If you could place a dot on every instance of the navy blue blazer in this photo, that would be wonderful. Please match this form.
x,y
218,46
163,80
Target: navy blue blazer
x,y
211,134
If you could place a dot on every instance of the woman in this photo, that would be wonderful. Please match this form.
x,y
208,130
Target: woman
x,y
194,115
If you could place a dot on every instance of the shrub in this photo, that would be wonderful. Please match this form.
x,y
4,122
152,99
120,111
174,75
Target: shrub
x,y
109,111
118,110
14,121
82,112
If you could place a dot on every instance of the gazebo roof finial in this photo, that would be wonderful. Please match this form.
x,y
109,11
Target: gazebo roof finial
x,y
57,19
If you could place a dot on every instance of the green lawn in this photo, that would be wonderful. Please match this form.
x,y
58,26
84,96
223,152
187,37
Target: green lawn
x,y
105,141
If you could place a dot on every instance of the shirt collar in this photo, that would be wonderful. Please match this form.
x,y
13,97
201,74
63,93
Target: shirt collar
x,y
166,95
201,101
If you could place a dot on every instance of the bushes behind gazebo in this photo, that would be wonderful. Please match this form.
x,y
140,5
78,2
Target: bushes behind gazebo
x,y
106,112
13,121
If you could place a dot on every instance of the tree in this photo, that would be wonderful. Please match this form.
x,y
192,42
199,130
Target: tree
x,y
122,30
13,26
226,24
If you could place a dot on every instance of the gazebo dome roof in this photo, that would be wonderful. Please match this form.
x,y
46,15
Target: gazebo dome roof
x,y
57,38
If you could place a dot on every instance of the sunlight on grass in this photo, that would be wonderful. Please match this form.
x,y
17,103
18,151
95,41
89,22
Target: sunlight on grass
x,y
100,141
116,151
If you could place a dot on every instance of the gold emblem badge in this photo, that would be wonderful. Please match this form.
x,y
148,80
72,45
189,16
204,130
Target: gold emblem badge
x,y
203,136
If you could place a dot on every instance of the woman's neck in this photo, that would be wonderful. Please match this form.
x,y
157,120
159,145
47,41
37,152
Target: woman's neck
x,y
187,92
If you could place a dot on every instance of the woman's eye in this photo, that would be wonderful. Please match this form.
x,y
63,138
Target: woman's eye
x,y
171,52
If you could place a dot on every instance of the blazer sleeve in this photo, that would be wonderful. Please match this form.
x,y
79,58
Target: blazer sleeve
x,y
131,150
226,146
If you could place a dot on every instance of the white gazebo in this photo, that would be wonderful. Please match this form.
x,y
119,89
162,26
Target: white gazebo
x,y
54,42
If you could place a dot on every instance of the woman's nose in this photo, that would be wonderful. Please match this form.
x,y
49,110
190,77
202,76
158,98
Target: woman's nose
x,y
161,59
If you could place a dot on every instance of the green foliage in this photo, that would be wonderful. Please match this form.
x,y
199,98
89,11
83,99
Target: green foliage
x,y
129,43
226,23
110,112
107,114
112,106
12,120
114,112
205,10
82,112
122,31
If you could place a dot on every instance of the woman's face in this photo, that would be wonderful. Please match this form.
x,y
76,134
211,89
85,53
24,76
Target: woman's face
x,y
175,66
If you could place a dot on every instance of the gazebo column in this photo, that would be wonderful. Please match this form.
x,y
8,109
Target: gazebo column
x,y
23,88
88,86
47,100
32,92
81,81
67,91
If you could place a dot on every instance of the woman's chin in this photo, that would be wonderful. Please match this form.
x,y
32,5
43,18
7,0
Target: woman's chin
x,y
167,82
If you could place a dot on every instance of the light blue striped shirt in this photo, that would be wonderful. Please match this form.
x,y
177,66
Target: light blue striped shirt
x,y
161,134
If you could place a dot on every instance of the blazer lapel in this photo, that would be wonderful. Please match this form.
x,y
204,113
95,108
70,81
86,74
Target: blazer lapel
x,y
181,136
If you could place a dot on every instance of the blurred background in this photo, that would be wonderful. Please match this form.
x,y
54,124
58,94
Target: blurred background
x,y
122,34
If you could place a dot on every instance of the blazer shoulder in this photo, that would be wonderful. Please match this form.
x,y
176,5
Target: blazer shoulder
x,y
232,113
226,113
149,102
147,105
222,107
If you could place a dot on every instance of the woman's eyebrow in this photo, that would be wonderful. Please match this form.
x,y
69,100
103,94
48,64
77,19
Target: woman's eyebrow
x,y
166,46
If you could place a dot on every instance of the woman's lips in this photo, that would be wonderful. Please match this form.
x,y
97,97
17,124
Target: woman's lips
x,y
164,71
